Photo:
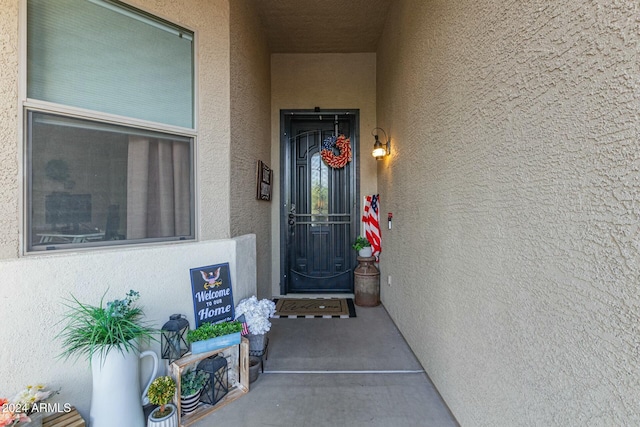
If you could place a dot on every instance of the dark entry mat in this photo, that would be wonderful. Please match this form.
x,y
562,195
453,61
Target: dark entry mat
x,y
325,308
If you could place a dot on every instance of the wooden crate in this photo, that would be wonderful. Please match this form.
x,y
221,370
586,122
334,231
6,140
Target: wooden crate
x,y
64,419
238,370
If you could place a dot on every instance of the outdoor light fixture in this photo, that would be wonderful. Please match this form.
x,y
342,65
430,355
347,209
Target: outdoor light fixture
x,y
174,337
379,149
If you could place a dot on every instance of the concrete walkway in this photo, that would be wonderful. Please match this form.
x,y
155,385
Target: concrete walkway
x,y
337,372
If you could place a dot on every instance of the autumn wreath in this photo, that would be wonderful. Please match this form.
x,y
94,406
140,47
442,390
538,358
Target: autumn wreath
x,y
344,147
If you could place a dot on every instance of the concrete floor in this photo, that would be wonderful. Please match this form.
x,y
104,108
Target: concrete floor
x,y
337,372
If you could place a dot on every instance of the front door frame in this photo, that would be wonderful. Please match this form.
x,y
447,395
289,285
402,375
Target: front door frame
x,y
285,162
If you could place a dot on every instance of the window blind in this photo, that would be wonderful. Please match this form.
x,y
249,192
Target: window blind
x,y
90,54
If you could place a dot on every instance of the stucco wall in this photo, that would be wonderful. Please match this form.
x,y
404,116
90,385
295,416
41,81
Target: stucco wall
x,y
514,183
250,132
328,81
9,175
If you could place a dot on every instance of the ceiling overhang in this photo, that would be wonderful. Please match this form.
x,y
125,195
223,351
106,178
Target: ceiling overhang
x,y
322,26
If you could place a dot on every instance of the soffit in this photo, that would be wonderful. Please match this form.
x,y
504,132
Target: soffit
x,y
322,26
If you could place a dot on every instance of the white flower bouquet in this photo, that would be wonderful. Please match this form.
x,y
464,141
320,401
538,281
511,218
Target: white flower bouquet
x,y
256,314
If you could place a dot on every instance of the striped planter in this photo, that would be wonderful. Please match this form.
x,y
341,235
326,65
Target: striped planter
x,y
170,420
189,404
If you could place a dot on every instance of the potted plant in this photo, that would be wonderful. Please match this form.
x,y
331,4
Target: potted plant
x,y
256,315
192,382
213,336
161,393
108,335
363,246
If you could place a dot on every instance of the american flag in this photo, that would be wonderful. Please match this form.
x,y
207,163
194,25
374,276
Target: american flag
x,y
245,327
371,221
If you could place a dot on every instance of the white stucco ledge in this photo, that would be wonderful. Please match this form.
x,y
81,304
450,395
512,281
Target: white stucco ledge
x,y
33,288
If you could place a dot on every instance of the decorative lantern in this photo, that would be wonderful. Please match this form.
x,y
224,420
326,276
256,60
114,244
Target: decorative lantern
x,y
218,385
174,337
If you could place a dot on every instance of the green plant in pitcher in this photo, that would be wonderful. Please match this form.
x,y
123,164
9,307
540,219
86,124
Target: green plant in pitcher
x,y
97,330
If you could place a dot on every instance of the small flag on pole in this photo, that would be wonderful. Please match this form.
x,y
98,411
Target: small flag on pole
x,y
371,221
245,327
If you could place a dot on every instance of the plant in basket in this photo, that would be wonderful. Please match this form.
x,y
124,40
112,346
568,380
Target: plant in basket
x,y
192,381
213,336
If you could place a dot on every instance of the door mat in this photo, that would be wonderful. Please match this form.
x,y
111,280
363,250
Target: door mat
x,y
326,308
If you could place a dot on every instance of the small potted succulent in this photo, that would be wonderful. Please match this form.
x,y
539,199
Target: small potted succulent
x,y
192,382
161,393
213,336
363,246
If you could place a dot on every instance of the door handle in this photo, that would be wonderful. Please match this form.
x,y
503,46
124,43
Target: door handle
x,y
292,215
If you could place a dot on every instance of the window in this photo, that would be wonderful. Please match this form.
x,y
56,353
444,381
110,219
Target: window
x,y
110,126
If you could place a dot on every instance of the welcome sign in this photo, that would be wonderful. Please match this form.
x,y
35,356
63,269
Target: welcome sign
x,y
212,296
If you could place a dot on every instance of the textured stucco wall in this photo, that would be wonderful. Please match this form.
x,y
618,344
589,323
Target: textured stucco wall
x,y
515,188
250,132
9,173
34,290
328,81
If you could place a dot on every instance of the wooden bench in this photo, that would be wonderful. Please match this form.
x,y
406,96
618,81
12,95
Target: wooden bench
x,y
64,419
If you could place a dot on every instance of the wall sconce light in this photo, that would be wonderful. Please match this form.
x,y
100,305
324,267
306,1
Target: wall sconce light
x,y
379,149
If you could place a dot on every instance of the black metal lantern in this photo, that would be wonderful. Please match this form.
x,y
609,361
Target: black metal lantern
x,y
218,384
174,337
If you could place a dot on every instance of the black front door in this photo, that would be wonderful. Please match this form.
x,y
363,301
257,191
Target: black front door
x,y
319,204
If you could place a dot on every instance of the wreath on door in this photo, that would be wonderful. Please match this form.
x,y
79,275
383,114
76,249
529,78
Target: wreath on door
x,y
343,145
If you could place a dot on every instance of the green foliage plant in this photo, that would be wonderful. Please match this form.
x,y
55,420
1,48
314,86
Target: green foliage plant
x,y
161,392
361,242
192,381
213,330
92,330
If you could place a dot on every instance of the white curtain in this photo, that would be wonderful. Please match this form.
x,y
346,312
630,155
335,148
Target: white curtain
x,y
158,190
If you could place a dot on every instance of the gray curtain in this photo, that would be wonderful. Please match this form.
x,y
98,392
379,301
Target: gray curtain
x,y
158,202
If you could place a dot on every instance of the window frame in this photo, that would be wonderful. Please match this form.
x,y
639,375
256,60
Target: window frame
x,y
30,105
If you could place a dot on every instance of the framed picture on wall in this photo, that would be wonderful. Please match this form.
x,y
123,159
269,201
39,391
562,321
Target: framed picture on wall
x,y
263,173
